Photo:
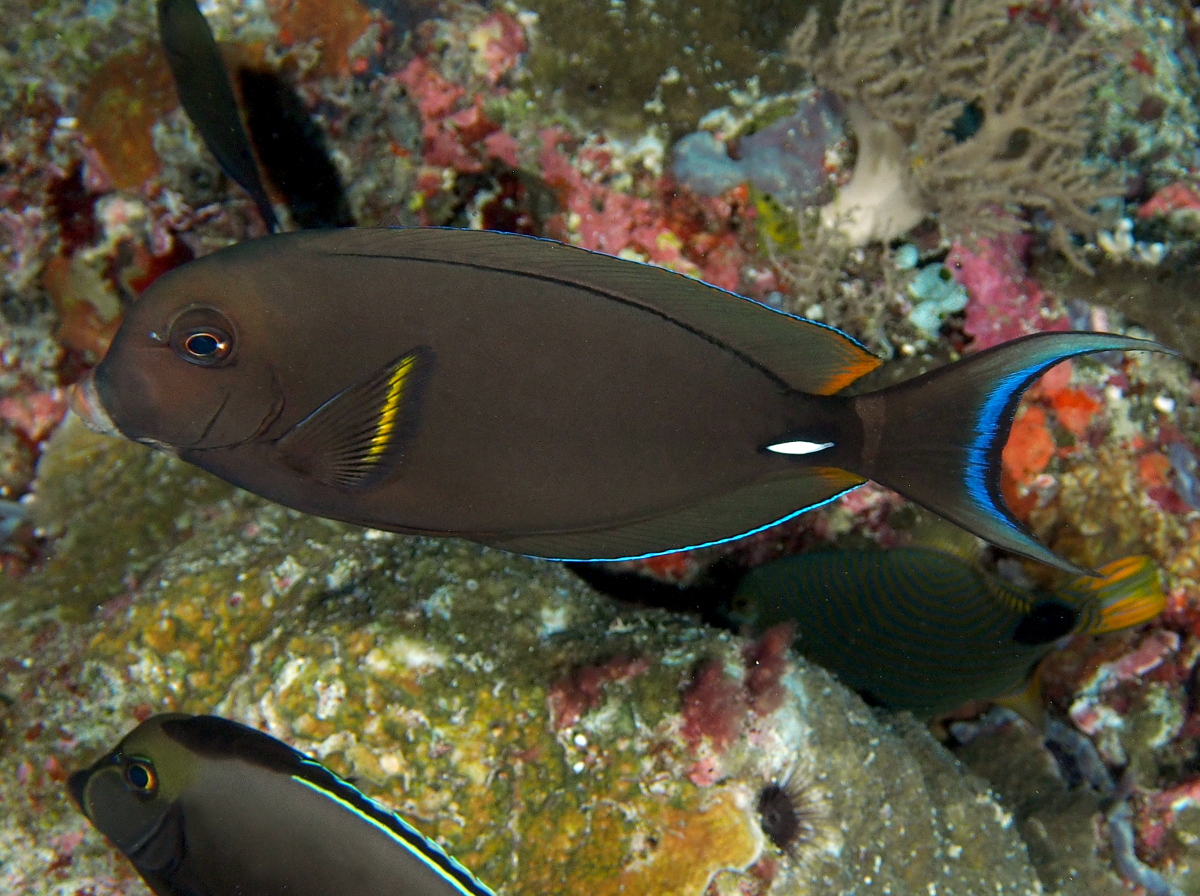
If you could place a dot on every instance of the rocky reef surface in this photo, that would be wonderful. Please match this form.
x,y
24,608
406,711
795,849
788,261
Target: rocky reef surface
x,y
554,740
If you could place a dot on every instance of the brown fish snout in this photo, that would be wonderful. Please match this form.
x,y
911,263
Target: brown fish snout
x,y
84,399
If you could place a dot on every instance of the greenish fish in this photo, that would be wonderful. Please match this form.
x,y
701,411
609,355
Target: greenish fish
x,y
924,630
207,96
204,806
541,398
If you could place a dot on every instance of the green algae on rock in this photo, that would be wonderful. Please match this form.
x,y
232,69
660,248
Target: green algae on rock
x,y
425,670
627,65
115,512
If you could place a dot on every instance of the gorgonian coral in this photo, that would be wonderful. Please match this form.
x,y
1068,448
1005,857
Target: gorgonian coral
x,y
960,110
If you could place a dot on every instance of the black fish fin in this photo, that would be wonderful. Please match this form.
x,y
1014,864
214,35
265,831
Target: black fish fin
x,y
937,439
806,355
206,94
357,438
733,515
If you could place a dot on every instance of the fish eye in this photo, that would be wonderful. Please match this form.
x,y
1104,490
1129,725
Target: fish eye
x,y
203,345
140,775
202,336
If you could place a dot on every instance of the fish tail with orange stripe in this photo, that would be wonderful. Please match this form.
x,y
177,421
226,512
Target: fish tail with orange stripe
x,y
1128,592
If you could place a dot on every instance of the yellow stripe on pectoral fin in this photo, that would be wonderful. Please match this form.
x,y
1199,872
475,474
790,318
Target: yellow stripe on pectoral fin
x,y
357,438
389,415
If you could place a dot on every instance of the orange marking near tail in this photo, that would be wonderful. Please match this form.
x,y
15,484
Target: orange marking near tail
x,y
857,365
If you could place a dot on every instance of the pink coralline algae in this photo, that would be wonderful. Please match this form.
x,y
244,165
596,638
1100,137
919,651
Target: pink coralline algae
x,y
455,136
718,704
688,234
34,414
1005,302
714,707
1163,805
456,131
569,698
647,218
1149,655
766,661
1171,198
499,42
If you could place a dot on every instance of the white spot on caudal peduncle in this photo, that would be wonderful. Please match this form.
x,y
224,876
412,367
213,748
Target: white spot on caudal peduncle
x,y
799,447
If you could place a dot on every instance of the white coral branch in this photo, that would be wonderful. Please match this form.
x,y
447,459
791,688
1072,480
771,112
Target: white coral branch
x,y
879,202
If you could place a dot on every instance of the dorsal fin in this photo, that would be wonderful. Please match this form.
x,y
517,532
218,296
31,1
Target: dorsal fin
x,y
218,738
806,355
941,535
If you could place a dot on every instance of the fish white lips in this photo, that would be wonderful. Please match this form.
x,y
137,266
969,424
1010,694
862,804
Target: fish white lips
x,y
84,399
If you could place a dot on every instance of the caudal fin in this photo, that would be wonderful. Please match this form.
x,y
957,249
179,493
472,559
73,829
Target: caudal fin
x,y
1127,592
937,439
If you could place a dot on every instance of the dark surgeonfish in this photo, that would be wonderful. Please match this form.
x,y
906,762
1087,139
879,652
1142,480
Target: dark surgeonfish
x,y
543,399
924,630
204,806
207,96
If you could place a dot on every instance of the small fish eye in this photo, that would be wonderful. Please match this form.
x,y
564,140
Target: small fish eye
x,y
139,774
203,345
202,336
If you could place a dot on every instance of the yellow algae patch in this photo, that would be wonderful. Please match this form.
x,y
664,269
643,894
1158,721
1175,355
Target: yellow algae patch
x,y
691,849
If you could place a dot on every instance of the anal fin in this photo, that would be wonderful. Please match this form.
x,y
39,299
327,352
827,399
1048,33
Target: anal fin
x,y
744,511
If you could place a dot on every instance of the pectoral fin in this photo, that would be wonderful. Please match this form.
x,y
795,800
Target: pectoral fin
x,y
358,437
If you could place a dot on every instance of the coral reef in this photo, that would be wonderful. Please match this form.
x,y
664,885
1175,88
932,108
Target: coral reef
x,y
1056,817
643,739
959,108
1148,116
631,64
782,156
378,654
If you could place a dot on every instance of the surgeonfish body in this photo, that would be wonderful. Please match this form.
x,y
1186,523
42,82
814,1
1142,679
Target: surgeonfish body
x,y
204,806
923,630
541,398
206,94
